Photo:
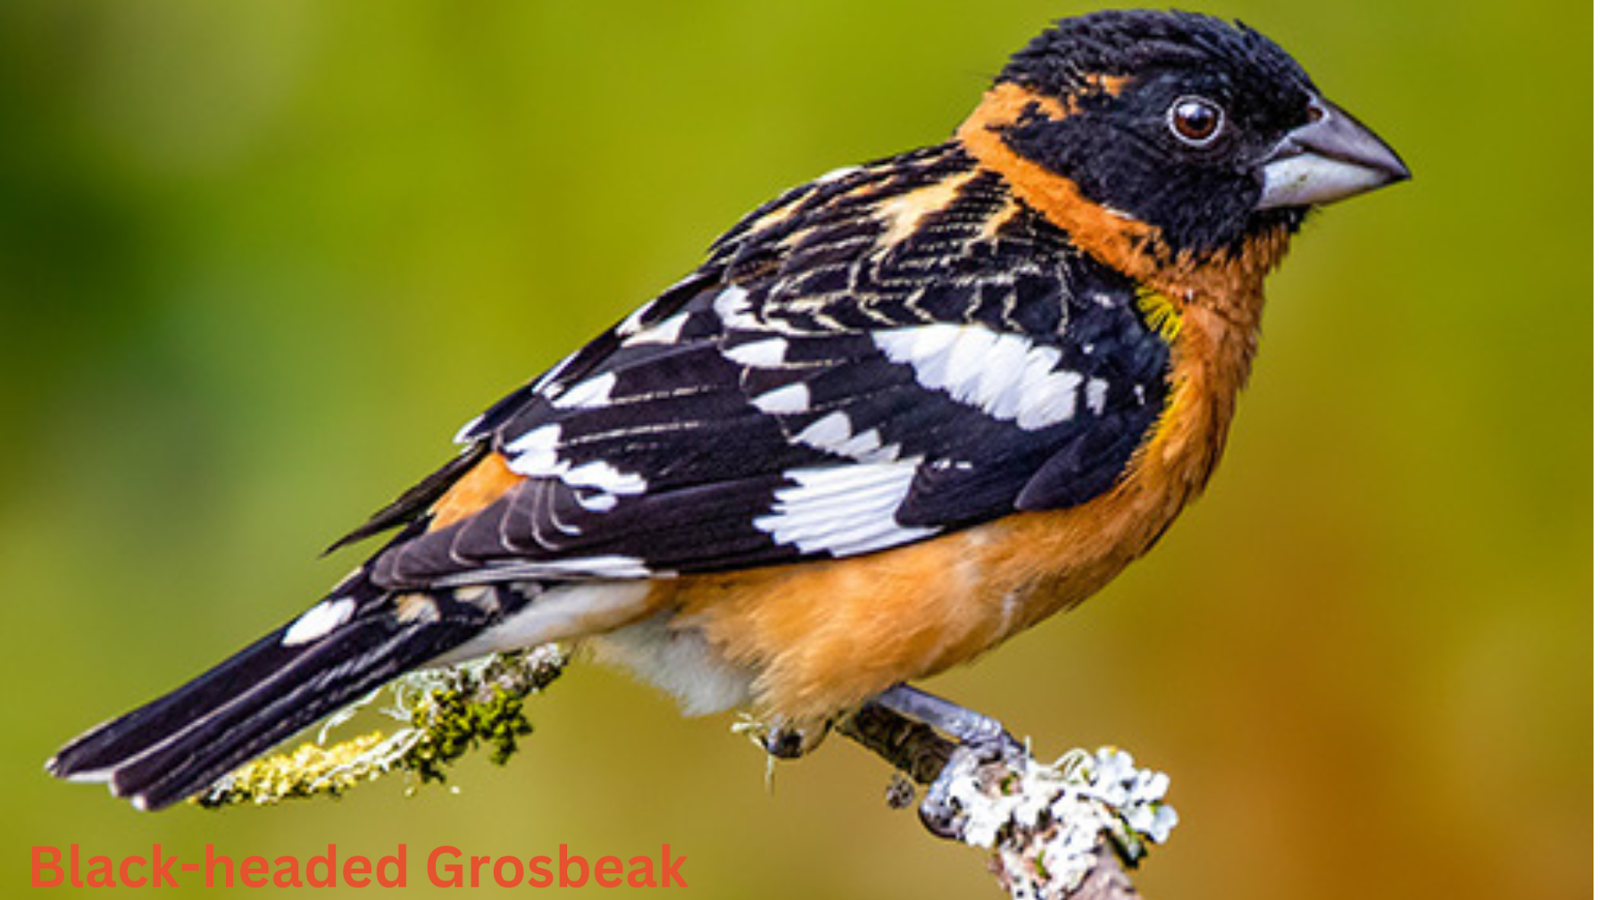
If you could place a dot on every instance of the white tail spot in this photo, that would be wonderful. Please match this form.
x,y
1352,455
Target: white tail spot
x,y
317,621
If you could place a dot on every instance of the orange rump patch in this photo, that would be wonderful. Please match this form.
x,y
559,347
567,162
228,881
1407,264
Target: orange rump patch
x,y
483,484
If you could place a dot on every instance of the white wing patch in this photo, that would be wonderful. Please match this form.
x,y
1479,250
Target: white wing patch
x,y
732,306
843,510
602,476
833,433
767,353
791,398
591,393
535,451
1006,375
667,331
597,482
317,621
607,568
463,435
1095,394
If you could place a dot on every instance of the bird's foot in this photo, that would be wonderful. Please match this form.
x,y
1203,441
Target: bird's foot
x,y
792,740
979,741
943,811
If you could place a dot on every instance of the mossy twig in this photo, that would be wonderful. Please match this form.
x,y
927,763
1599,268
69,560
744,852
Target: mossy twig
x,y
447,713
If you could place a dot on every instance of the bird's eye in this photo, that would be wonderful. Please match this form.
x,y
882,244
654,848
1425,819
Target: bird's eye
x,y
1195,120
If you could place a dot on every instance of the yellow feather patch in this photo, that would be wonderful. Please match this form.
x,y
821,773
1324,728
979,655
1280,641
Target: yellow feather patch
x,y
1160,314
1180,401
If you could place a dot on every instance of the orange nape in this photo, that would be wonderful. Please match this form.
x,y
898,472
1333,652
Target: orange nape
x,y
1114,238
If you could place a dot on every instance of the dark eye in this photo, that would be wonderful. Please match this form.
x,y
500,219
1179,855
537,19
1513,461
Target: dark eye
x,y
1195,120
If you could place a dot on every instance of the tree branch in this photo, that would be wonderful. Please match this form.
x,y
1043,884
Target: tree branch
x,y
1065,831
1069,830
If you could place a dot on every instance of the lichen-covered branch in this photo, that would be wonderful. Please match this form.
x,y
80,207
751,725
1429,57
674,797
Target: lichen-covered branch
x,y
1069,829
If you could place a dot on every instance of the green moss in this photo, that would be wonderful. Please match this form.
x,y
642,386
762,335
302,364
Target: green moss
x,y
306,772
454,722
447,714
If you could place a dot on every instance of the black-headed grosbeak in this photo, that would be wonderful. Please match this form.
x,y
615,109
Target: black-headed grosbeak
x,y
900,414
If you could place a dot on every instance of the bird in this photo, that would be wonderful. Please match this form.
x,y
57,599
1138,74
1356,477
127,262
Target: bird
x,y
896,416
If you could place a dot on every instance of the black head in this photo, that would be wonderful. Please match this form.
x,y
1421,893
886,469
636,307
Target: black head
x,y
1206,130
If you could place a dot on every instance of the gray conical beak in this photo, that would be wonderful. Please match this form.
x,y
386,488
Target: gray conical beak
x,y
1330,158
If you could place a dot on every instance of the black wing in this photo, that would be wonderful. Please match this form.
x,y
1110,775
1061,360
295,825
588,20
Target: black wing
x,y
884,355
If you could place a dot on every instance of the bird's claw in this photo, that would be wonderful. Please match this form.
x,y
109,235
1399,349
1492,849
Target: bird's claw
x,y
942,813
787,740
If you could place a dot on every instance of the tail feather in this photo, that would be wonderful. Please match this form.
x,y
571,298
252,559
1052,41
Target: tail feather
x,y
91,755
346,646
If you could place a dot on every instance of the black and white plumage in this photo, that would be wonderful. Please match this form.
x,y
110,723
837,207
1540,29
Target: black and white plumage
x,y
822,387
927,349
812,391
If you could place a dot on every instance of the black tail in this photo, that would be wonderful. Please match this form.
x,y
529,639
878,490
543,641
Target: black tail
x,y
352,642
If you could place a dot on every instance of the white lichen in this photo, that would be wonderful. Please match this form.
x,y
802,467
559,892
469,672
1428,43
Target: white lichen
x,y
1044,822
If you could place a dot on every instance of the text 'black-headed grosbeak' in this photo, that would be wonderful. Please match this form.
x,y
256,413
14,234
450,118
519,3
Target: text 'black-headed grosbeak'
x,y
900,414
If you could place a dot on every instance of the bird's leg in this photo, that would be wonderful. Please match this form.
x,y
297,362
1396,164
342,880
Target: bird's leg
x,y
969,727
978,739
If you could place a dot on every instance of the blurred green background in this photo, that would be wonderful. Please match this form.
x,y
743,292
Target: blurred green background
x,y
258,260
